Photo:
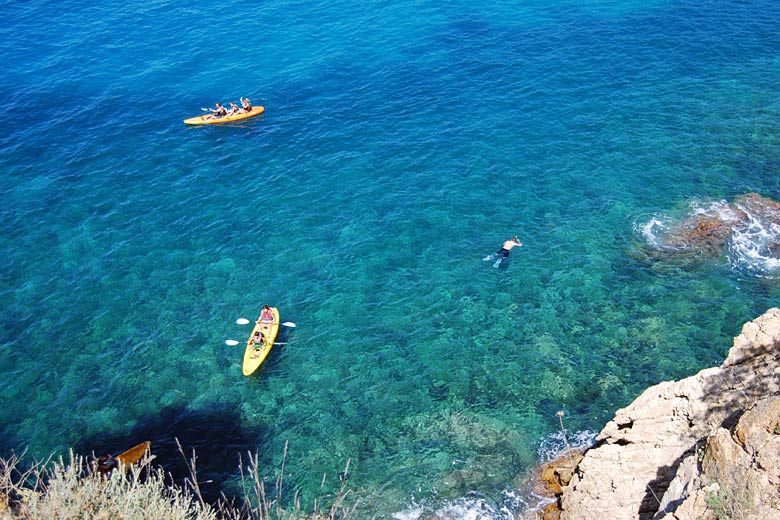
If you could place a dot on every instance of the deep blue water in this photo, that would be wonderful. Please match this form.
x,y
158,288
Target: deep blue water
x,y
402,143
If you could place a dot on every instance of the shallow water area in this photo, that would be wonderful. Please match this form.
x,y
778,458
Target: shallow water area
x,y
401,144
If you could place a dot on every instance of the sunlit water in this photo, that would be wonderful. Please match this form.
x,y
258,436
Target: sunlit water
x,y
402,143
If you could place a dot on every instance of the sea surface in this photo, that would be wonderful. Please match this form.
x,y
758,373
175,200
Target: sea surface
x,y
402,143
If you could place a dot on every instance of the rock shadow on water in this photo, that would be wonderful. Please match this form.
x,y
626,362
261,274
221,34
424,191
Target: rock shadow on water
x,y
216,435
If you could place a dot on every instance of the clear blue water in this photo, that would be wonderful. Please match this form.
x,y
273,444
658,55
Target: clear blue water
x,y
402,143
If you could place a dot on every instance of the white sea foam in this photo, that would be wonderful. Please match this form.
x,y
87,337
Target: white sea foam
x,y
512,502
555,444
719,209
412,513
478,508
653,230
755,245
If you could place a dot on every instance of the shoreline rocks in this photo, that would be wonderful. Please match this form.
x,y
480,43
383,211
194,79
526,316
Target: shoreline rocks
x,y
707,446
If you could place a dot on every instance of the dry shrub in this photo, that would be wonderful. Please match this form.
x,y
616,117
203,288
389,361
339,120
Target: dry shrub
x,y
74,489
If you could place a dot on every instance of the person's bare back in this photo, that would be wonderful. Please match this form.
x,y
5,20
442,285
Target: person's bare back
x,y
504,251
509,244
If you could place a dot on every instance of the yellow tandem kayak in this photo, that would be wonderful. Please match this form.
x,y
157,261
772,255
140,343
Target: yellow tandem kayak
x,y
200,120
254,354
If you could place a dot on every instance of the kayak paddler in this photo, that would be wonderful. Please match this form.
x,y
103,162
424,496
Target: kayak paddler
x,y
216,112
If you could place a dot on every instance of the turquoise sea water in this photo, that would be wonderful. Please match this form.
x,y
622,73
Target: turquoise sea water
x,y
402,143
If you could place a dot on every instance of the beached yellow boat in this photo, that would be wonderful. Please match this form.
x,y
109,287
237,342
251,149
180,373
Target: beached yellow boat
x,y
255,354
134,454
200,120
107,463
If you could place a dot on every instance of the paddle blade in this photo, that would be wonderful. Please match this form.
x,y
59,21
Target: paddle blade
x,y
242,321
289,324
231,342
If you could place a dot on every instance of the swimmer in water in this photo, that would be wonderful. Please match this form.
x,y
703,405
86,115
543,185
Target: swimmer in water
x,y
504,251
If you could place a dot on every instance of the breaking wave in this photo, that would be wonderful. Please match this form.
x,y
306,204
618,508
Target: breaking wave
x,y
755,246
654,230
751,233
512,503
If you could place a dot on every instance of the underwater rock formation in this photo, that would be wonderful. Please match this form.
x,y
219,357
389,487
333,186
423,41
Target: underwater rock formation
x,y
749,225
704,447
707,234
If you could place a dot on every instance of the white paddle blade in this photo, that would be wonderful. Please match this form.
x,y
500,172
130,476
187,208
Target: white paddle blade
x,y
289,324
231,342
242,321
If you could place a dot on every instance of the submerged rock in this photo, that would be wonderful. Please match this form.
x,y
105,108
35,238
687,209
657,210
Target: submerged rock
x,y
704,447
703,233
749,221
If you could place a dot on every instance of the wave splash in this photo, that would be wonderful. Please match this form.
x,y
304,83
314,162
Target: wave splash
x,y
755,246
469,508
512,503
747,230
556,444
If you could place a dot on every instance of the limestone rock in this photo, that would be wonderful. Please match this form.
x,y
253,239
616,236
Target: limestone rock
x,y
558,473
645,461
744,463
549,480
685,484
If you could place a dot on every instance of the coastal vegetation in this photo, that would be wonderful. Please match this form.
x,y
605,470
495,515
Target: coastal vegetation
x,y
60,489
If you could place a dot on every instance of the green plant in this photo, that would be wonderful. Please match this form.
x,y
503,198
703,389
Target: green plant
x,y
715,504
701,451
730,503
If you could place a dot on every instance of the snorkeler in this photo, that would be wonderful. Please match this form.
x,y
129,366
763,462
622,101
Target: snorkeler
x,y
504,251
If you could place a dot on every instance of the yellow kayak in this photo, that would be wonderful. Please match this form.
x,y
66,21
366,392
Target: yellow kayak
x,y
200,120
256,354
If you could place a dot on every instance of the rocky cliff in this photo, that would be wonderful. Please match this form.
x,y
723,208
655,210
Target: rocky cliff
x,y
705,447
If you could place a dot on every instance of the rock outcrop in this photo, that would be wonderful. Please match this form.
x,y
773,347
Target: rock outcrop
x,y
707,232
707,446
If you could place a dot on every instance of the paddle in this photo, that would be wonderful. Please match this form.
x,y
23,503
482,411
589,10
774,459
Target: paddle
x,y
233,342
244,321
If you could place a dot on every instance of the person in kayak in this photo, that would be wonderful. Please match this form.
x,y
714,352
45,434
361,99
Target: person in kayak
x,y
233,110
216,112
257,341
504,251
266,316
246,105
